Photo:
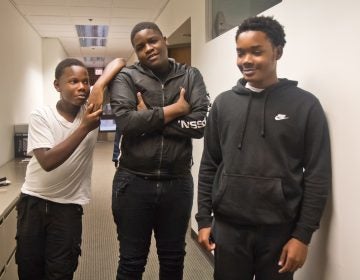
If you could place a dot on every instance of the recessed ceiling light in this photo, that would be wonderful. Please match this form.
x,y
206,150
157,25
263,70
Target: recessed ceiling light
x,y
92,30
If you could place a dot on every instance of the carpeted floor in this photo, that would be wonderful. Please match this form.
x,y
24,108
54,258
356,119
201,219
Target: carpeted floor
x,y
100,246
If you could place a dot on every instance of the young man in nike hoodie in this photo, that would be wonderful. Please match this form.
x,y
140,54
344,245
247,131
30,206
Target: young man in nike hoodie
x,y
266,167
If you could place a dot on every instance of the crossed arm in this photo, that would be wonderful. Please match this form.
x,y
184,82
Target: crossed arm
x,y
172,111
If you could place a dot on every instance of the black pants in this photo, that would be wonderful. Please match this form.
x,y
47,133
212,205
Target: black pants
x,y
243,252
48,239
141,206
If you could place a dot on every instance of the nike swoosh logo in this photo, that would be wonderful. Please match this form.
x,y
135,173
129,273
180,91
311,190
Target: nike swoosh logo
x,y
280,117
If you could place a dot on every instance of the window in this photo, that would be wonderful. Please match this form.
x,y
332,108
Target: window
x,y
223,15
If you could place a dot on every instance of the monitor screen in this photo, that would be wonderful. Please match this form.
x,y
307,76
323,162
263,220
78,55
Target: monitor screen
x,y
107,125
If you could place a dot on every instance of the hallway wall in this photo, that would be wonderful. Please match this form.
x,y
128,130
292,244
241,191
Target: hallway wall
x,y
20,75
52,54
322,55
26,74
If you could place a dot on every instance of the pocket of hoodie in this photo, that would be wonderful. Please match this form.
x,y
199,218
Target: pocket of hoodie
x,y
251,200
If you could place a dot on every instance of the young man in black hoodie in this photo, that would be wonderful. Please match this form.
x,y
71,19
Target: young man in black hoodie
x,y
266,168
160,105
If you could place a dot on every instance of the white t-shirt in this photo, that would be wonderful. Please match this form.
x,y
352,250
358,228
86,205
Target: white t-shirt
x,y
71,181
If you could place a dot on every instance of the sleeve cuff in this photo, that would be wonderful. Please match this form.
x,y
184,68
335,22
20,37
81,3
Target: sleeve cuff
x,y
204,222
303,235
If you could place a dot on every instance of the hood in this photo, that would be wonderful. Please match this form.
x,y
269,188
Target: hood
x,y
242,90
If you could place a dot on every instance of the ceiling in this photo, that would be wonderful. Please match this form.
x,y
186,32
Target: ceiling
x,y
58,19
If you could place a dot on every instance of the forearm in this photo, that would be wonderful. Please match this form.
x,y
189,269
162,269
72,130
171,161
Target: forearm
x,y
317,175
172,112
132,122
312,207
110,71
98,90
210,167
50,159
192,125
204,214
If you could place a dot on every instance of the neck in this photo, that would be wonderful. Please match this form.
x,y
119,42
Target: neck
x,y
163,70
265,84
68,111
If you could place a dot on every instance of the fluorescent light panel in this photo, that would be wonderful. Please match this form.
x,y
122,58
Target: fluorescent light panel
x,y
92,35
93,59
92,42
92,30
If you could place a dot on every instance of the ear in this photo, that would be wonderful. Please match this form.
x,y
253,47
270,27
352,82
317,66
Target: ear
x,y
279,52
56,85
166,41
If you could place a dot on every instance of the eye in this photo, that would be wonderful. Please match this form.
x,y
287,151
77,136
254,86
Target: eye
x,y
240,53
153,40
257,52
139,48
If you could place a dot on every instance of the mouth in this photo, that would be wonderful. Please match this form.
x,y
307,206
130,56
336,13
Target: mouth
x,y
248,71
152,57
82,96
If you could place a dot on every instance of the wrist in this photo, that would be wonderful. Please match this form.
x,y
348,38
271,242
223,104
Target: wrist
x,y
83,130
99,86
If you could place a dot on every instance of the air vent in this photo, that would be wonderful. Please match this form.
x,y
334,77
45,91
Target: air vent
x,y
93,59
92,35
92,42
92,30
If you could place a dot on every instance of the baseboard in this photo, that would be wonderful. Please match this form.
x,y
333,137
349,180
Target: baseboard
x,y
207,254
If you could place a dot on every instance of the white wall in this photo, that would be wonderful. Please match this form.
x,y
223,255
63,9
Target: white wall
x,y
322,54
53,52
20,75
26,74
321,36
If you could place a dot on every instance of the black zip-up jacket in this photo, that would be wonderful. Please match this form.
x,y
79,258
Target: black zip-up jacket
x,y
266,159
148,146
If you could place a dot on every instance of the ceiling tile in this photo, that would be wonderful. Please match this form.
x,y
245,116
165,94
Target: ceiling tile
x,y
57,19
44,10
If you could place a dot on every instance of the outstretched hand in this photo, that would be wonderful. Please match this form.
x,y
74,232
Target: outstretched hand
x,y
293,256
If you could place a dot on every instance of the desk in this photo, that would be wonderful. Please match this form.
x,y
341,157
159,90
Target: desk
x,y
15,172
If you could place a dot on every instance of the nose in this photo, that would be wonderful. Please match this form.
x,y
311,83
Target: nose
x,y
148,48
83,85
247,58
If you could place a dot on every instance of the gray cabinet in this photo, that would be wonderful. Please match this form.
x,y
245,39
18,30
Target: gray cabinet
x,y
9,195
8,246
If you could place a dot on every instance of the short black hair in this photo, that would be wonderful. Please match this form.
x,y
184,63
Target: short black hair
x,y
271,27
144,25
68,62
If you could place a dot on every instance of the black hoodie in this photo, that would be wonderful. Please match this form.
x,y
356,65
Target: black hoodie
x,y
266,159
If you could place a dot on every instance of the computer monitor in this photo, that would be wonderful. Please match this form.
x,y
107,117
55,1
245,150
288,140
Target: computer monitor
x,y
107,123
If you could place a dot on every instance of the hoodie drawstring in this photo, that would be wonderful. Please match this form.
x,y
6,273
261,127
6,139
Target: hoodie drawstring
x,y
245,122
262,132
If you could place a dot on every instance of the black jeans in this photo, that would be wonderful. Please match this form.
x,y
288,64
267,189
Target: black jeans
x,y
140,206
48,239
243,252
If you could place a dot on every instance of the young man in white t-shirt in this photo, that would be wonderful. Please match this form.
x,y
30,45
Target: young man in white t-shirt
x,y
58,178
